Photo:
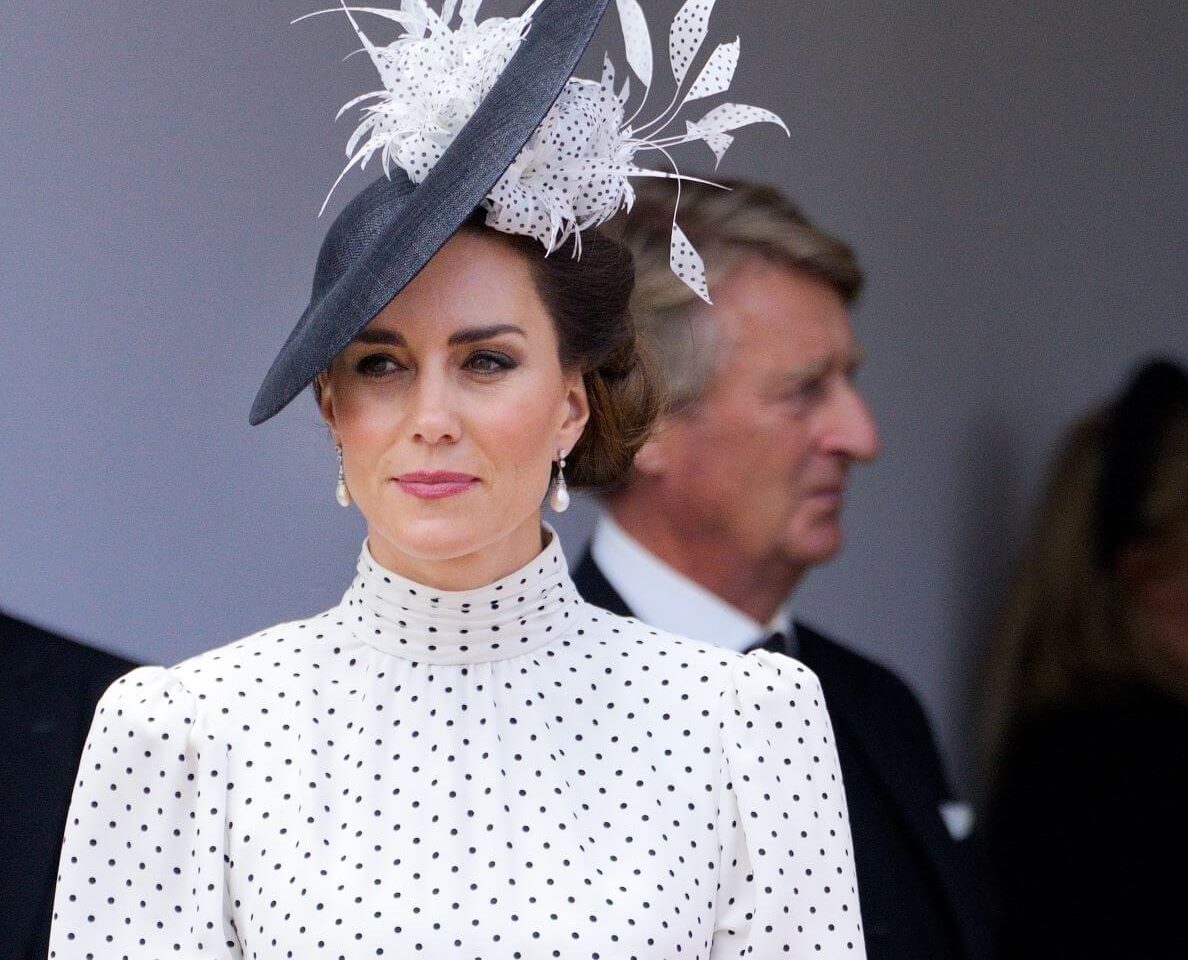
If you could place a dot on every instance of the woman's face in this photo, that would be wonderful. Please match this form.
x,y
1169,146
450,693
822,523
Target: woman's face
x,y
450,407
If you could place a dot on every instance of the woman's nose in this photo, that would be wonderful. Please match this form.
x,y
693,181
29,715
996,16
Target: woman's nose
x,y
434,417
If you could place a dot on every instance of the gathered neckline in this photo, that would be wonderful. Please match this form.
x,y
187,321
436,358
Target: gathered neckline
x,y
514,615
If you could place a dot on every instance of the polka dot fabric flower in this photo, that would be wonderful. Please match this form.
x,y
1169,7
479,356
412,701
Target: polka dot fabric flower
x,y
505,772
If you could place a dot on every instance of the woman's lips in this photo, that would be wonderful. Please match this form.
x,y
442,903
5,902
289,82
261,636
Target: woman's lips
x,y
435,485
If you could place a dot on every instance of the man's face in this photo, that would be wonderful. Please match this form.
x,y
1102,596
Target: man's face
x,y
759,465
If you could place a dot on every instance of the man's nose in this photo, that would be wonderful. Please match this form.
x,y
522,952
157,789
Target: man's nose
x,y
434,416
851,428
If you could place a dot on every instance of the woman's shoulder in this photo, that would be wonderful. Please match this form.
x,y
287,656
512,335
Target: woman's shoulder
x,y
673,656
622,634
268,649
220,675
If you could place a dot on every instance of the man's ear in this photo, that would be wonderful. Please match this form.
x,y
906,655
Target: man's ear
x,y
652,458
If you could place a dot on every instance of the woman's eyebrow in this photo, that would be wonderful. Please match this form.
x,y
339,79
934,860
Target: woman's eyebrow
x,y
468,335
474,334
386,337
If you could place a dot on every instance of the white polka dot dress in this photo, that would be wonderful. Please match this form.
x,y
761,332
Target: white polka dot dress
x,y
489,774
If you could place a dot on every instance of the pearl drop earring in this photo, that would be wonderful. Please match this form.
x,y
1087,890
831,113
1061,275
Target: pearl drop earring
x,y
341,493
559,496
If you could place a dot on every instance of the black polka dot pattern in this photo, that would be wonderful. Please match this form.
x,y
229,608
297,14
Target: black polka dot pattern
x,y
433,82
505,772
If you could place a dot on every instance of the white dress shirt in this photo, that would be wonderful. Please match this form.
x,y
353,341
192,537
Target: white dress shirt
x,y
665,598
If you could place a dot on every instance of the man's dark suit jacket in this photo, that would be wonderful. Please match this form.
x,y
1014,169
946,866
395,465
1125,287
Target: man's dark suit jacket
x,y
920,890
48,690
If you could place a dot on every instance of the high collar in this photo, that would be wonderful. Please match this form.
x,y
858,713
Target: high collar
x,y
512,616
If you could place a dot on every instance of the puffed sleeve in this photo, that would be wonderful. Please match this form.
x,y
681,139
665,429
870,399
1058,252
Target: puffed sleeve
x,y
141,872
786,885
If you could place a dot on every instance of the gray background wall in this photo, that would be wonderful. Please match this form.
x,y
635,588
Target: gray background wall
x,y
1012,175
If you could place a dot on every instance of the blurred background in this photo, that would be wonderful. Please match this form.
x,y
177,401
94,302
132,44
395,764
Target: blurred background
x,y
1011,175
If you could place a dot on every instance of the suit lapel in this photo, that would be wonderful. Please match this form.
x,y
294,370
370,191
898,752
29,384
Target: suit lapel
x,y
596,589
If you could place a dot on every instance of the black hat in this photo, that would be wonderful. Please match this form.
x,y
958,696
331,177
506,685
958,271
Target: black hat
x,y
386,234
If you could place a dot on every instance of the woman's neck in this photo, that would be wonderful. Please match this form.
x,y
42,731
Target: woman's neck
x,y
463,566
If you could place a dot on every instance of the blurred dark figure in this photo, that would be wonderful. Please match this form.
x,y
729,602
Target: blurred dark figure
x,y
1088,719
48,690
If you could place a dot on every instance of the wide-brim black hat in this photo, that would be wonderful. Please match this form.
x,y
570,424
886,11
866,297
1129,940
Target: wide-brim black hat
x,y
386,234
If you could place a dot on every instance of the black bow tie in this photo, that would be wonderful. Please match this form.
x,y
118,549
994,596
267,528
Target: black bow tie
x,y
775,642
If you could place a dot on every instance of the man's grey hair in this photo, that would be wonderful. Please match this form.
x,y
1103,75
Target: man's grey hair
x,y
727,227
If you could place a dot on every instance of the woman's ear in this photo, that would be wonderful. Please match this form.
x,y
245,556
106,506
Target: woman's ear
x,y
577,411
324,392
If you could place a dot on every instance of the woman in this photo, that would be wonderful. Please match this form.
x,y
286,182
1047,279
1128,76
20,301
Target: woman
x,y
463,759
1089,727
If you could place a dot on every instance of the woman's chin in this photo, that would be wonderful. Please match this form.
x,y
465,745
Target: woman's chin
x,y
449,545
429,539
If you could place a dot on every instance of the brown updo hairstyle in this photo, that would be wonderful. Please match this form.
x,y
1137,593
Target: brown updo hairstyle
x,y
588,297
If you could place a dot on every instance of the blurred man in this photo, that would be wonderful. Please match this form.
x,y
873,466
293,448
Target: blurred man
x,y
48,690
740,492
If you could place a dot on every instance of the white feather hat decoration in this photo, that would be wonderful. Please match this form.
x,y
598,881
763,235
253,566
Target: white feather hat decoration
x,y
575,170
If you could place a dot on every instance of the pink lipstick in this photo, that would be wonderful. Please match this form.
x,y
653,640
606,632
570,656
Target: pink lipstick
x,y
435,484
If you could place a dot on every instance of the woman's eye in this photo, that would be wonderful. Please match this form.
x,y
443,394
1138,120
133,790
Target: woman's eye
x,y
488,362
376,365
